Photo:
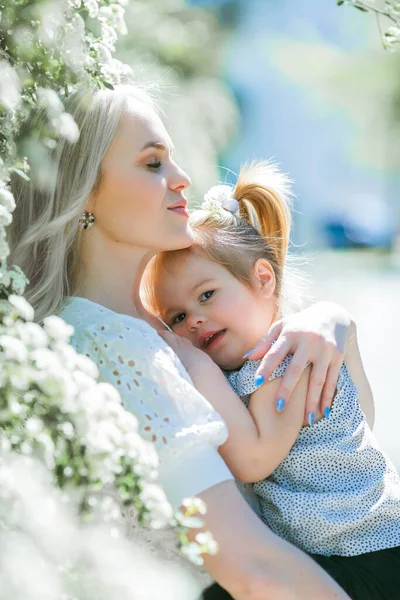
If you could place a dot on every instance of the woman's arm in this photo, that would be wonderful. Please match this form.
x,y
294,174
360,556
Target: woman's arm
x,y
252,562
320,335
357,373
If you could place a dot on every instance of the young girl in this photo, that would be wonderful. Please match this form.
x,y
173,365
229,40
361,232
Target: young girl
x,y
323,483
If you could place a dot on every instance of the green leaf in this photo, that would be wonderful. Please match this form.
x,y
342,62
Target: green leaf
x,y
20,173
108,85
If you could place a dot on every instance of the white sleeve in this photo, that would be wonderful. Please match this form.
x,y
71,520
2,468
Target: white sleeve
x,y
153,385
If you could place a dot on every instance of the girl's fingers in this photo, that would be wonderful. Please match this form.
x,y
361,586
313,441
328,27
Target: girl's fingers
x,y
272,360
264,344
329,388
315,386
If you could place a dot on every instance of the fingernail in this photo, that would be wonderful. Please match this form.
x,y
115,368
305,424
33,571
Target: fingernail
x,y
311,418
327,412
280,404
259,380
248,353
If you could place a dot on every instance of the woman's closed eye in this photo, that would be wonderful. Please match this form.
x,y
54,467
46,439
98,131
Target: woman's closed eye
x,y
154,165
206,295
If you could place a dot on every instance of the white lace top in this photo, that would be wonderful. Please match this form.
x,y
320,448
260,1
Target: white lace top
x,y
155,387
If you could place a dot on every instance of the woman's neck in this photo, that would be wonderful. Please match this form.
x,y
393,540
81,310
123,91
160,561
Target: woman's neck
x,y
112,273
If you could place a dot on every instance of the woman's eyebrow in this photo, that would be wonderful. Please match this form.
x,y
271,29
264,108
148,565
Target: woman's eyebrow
x,y
157,145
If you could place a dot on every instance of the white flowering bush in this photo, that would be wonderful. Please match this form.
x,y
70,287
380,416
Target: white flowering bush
x,y
64,437
52,408
48,554
389,10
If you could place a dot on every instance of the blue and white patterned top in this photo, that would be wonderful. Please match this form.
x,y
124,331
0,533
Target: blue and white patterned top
x,y
337,492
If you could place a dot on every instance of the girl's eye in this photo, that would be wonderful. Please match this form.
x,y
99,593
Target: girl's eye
x,y
178,319
206,295
154,165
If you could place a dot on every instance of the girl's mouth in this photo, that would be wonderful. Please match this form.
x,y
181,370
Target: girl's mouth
x,y
211,340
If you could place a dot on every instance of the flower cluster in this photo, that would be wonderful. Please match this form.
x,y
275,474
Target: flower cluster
x,y
52,408
54,415
390,10
47,553
218,199
46,50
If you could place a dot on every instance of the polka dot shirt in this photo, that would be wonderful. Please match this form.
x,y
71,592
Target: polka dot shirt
x,y
336,493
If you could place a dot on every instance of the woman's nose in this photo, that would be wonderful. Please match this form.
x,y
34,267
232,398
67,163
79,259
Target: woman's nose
x,y
179,180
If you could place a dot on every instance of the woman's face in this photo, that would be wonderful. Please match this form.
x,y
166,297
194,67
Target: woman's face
x,y
140,200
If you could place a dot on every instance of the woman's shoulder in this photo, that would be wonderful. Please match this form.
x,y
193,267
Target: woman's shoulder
x,y
111,338
85,315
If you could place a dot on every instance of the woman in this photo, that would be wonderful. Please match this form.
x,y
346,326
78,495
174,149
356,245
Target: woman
x,y
118,200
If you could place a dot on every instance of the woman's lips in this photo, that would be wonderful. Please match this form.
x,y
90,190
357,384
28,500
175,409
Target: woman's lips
x,y
180,207
181,210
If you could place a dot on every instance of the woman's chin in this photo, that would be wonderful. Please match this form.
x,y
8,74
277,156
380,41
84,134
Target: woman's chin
x,y
181,240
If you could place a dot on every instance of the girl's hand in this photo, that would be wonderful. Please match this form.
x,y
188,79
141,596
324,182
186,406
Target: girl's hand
x,y
191,357
319,335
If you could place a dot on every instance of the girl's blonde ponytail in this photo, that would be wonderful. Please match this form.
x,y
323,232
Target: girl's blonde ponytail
x,y
264,196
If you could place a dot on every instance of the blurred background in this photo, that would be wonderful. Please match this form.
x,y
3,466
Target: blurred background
x,y
309,85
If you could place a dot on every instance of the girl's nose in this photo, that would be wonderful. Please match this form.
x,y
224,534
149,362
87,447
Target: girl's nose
x,y
194,322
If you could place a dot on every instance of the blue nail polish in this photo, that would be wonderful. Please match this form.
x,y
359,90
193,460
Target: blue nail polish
x,y
311,418
280,405
259,380
248,353
327,412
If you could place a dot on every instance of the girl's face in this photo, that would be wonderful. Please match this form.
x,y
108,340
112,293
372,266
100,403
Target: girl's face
x,y
140,200
203,302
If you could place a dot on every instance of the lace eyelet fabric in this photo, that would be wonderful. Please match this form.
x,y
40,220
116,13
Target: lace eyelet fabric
x,y
184,428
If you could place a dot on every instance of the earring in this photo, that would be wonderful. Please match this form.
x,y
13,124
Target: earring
x,y
86,220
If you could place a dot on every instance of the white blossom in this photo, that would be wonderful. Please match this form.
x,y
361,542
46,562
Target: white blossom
x,y
4,248
22,306
92,7
65,126
58,329
7,199
108,36
50,100
13,349
10,86
5,216
113,14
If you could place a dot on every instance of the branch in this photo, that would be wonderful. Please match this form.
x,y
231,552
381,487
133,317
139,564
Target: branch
x,y
378,11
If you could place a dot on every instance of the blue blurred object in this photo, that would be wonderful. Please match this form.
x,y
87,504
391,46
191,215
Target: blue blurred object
x,y
367,223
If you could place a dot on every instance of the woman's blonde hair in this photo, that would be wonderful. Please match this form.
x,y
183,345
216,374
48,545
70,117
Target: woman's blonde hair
x,y
260,229
44,234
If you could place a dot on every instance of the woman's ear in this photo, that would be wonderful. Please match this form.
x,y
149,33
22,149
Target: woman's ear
x,y
264,277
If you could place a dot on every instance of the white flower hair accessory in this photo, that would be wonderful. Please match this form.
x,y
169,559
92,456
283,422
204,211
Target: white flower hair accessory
x,y
220,198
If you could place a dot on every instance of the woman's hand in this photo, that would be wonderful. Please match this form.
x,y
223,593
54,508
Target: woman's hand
x,y
319,335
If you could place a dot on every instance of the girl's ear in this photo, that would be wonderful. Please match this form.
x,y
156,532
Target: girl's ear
x,y
264,277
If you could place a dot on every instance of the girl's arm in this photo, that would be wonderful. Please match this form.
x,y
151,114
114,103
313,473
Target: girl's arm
x,y
259,438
